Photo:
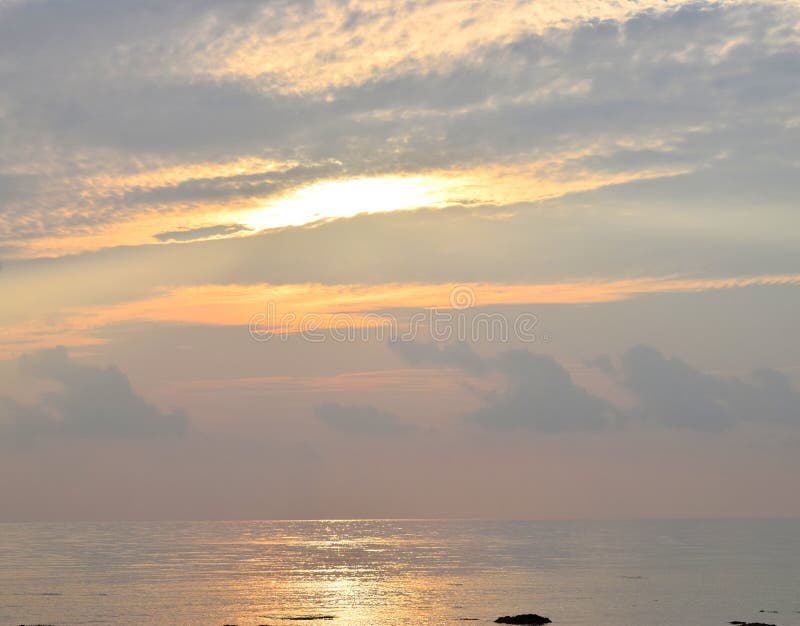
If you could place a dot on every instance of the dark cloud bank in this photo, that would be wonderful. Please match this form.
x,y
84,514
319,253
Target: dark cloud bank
x,y
539,394
93,402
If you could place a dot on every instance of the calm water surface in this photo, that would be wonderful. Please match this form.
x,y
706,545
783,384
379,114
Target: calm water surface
x,y
644,573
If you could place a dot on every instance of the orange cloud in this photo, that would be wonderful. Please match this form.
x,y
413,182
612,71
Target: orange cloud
x,y
235,304
238,305
322,199
320,50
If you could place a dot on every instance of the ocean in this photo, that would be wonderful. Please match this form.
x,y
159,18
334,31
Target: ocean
x,y
622,573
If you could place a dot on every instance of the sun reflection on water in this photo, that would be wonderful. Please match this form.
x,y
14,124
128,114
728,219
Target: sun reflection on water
x,y
395,572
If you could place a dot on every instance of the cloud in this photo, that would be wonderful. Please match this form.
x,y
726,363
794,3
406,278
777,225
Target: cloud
x,y
604,364
14,187
23,424
591,96
672,393
458,355
537,393
204,232
93,402
361,419
220,184
540,395
538,247
769,395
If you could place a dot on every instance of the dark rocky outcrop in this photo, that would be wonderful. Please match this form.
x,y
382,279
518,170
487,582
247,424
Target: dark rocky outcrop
x,y
750,623
527,618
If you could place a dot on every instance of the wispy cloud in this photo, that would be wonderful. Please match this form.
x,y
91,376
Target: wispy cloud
x,y
296,308
571,97
203,232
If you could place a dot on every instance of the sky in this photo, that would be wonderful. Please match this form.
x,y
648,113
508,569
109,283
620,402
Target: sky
x,y
315,259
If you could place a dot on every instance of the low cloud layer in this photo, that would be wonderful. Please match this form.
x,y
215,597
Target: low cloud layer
x,y
92,402
672,393
538,393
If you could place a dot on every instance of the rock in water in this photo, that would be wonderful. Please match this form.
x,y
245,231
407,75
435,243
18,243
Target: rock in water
x,y
527,618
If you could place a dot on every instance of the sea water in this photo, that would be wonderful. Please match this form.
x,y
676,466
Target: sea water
x,y
635,573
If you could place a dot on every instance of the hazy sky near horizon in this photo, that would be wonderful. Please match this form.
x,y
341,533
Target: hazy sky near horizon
x,y
599,199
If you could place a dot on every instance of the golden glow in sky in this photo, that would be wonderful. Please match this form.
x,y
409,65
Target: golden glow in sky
x,y
334,199
251,250
346,198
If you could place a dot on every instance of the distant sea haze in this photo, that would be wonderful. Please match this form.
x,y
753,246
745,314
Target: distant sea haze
x,y
359,572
